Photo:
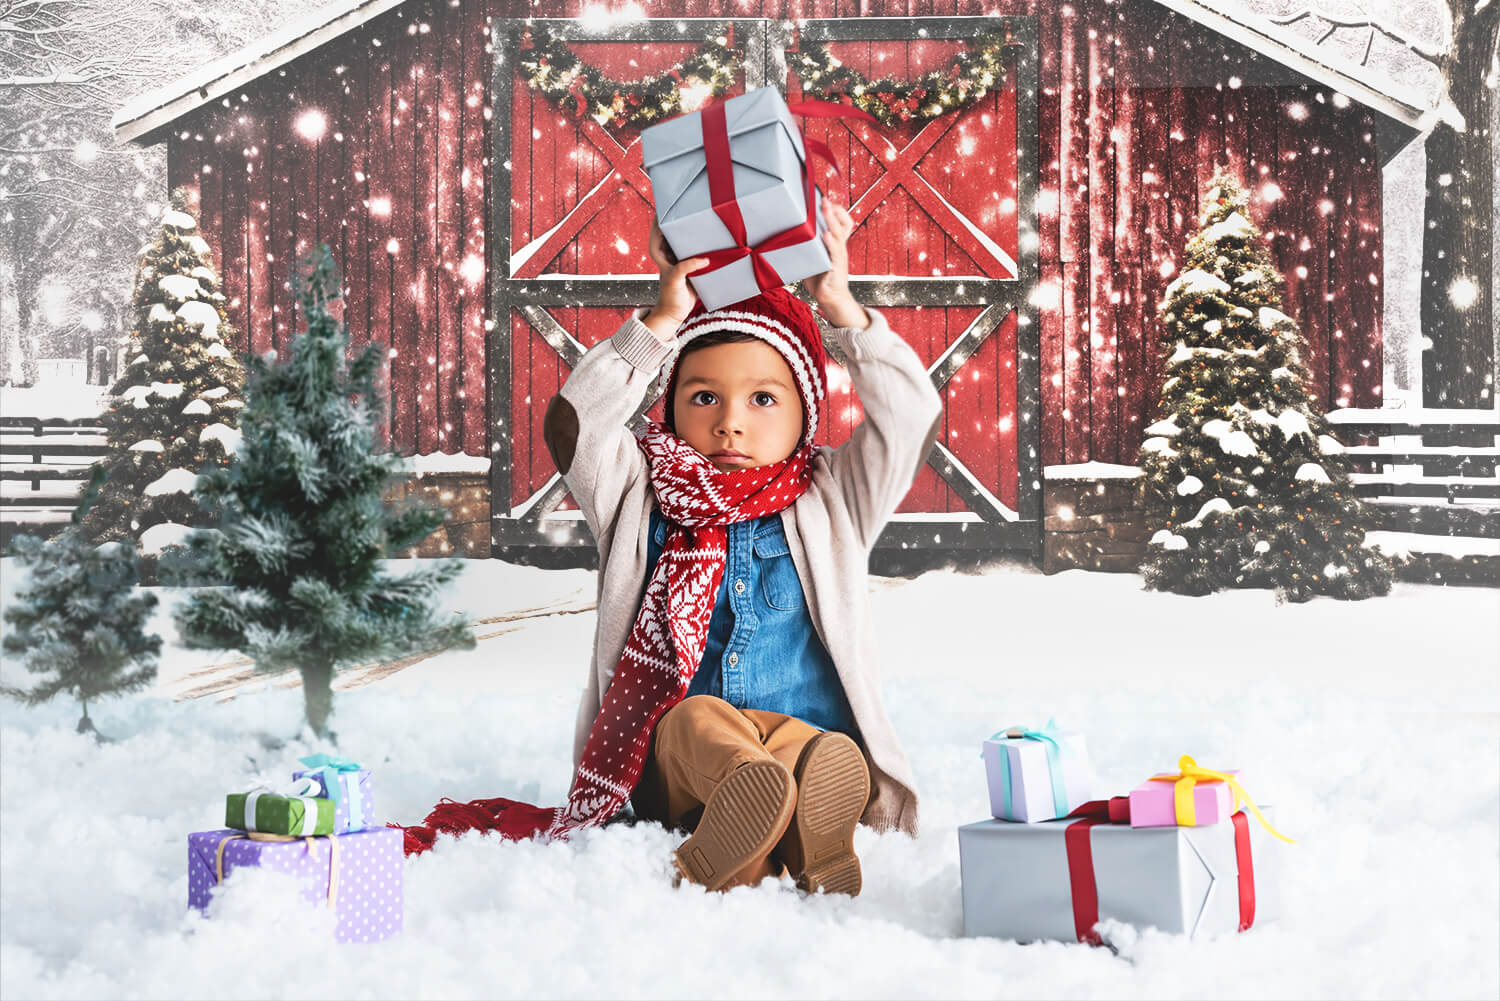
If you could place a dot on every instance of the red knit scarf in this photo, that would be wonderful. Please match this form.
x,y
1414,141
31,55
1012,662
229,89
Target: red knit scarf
x,y
665,644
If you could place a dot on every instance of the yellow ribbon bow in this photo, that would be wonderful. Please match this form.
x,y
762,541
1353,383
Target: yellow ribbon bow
x,y
1189,775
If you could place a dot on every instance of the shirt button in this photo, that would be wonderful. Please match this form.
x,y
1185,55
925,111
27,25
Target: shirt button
x,y
734,659
739,587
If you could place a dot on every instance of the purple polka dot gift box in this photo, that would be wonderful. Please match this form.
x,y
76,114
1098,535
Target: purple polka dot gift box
x,y
351,788
359,875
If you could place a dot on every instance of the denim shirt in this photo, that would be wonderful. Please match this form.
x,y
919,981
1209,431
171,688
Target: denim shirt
x,y
762,651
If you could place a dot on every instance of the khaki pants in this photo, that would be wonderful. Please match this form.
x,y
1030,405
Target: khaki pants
x,y
696,744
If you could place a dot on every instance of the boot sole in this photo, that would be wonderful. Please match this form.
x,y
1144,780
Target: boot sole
x,y
831,797
743,819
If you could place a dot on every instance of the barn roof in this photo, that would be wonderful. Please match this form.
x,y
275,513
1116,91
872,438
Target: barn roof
x,y
142,118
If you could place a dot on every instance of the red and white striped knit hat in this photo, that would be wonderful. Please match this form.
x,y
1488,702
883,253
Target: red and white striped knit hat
x,y
781,320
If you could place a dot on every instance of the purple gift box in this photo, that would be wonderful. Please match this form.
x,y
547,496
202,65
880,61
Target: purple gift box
x,y
1153,804
355,809
359,874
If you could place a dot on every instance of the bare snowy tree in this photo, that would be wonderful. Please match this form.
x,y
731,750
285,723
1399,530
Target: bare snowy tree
x,y
74,206
1457,293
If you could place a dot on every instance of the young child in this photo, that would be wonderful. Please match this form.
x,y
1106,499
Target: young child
x,y
733,691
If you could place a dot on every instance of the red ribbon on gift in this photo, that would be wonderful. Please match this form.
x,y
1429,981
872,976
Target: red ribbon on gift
x,y
1116,810
726,206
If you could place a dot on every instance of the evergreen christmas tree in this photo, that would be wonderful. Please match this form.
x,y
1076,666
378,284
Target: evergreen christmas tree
x,y
78,620
303,524
174,411
1254,489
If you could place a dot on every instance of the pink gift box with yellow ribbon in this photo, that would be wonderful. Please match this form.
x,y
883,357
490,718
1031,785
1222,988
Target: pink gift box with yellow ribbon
x,y
1153,802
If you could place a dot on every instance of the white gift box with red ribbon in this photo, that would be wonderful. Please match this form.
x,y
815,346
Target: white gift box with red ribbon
x,y
731,182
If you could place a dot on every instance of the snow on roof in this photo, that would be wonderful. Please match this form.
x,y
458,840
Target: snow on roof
x,y
163,105
1258,32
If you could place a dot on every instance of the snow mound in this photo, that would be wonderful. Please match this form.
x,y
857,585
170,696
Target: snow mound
x,y
1238,443
218,350
166,390
1209,507
159,537
1234,227
199,246
204,273
228,438
1197,282
198,313
1313,472
173,481
180,288
213,394
149,445
178,220
1185,354
159,313
1190,485
1330,445
1166,426
197,408
1168,539
137,395
1161,445
1293,422
1270,318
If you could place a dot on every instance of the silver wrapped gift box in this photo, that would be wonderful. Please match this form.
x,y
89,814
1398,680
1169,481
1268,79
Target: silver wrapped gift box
x,y
767,159
1018,883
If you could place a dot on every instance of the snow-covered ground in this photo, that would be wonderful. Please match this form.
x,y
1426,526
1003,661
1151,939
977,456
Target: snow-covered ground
x,y
1373,727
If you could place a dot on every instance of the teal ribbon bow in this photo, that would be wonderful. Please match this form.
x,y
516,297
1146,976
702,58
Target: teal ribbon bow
x,y
330,767
1048,735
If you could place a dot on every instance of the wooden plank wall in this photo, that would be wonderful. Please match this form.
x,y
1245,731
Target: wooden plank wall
x,y
1134,113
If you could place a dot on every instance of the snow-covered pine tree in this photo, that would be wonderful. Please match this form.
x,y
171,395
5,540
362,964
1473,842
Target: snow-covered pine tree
x,y
304,527
1254,489
174,411
79,621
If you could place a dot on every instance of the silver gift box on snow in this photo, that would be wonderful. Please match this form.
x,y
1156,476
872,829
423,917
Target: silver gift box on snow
x,y
765,148
1183,880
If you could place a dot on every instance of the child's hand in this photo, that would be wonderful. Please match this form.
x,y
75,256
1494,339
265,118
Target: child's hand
x,y
674,297
830,290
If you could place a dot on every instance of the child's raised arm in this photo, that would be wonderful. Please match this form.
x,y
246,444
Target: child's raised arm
x,y
875,468
585,428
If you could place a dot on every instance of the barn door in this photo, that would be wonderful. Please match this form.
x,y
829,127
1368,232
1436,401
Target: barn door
x,y
944,243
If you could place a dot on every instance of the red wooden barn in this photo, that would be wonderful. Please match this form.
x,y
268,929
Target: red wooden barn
x,y
1021,243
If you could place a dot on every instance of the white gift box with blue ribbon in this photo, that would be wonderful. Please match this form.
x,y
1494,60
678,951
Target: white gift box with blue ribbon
x,y
1037,775
349,785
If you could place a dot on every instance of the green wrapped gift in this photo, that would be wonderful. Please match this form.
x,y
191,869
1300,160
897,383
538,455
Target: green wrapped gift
x,y
274,813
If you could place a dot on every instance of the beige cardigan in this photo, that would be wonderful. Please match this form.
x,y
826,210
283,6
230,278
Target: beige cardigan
x,y
830,529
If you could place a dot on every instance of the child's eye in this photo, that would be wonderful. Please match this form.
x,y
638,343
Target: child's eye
x,y
698,398
764,399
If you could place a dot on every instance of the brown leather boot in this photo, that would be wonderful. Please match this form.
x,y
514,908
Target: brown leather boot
x,y
742,821
833,786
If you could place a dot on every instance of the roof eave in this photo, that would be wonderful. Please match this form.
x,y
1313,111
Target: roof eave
x,y
1400,110
144,119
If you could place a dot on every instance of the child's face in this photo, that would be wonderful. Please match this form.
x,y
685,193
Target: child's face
x,y
738,398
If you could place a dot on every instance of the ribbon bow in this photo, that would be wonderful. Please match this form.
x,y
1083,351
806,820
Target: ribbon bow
x,y
306,789
1189,774
330,767
1048,735
726,205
